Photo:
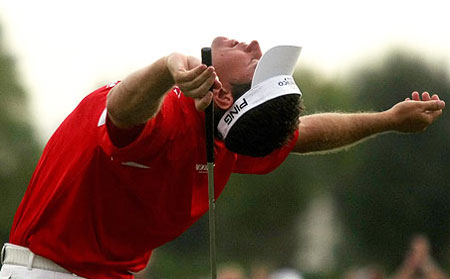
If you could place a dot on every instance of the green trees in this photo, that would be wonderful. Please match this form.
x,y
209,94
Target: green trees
x,y
18,147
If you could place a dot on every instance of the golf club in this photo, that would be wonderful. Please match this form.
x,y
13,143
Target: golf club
x,y
209,128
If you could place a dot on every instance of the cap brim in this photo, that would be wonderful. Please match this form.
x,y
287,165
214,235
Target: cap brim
x,y
279,60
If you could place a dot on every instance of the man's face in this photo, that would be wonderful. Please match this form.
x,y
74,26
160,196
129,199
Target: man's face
x,y
235,62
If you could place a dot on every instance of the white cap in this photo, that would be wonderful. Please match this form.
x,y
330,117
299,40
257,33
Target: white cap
x,y
272,79
279,60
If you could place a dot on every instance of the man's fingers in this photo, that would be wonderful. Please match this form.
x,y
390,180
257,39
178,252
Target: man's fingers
x,y
435,97
203,89
435,114
426,96
428,103
202,103
190,85
186,76
202,78
432,105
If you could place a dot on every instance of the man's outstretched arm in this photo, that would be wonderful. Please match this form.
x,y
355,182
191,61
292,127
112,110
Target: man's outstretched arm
x,y
138,97
330,131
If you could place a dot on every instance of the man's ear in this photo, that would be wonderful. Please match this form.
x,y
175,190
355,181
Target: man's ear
x,y
223,98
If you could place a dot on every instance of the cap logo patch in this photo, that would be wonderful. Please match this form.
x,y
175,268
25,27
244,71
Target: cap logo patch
x,y
235,110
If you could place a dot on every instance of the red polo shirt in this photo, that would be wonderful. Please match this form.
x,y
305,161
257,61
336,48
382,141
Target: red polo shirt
x,y
99,210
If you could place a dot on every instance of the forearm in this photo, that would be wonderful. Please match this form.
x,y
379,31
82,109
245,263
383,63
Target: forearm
x,y
328,131
138,97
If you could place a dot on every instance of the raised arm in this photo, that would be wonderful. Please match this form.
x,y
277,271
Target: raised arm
x,y
330,131
138,97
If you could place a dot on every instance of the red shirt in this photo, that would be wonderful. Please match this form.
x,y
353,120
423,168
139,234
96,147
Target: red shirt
x,y
99,210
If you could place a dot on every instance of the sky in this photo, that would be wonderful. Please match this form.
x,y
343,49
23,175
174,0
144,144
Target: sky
x,y
66,49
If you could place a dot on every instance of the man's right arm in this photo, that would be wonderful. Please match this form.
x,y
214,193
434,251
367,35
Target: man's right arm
x,y
138,97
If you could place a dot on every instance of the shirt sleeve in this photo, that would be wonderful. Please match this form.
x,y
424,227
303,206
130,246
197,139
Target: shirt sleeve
x,y
263,165
122,137
148,139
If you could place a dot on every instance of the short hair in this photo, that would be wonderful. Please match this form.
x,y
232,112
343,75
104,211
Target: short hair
x,y
264,128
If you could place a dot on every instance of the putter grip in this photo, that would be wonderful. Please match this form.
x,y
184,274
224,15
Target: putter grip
x,y
206,56
209,112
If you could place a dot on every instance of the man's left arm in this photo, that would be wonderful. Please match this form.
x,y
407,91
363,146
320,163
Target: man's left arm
x,y
331,131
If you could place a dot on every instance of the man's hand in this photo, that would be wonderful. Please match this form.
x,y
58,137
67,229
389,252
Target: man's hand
x,y
193,78
415,115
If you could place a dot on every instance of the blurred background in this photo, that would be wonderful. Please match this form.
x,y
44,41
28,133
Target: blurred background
x,y
377,210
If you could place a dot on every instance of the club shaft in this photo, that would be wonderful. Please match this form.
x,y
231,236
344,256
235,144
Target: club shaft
x,y
209,131
212,218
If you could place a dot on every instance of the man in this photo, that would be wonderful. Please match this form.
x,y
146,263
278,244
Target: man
x,y
124,173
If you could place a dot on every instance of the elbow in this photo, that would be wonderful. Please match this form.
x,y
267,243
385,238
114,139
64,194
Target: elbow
x,y
115,113
303,148
111,102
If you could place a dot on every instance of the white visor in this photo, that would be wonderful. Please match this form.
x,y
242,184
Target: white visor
x,y
272,79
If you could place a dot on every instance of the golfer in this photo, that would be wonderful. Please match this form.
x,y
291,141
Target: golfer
x,y
125,172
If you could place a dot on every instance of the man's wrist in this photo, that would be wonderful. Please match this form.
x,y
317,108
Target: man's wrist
x,y
168,71
388,120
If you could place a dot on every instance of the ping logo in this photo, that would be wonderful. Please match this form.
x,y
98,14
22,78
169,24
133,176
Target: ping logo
x,y
287,81
201,168
236,109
